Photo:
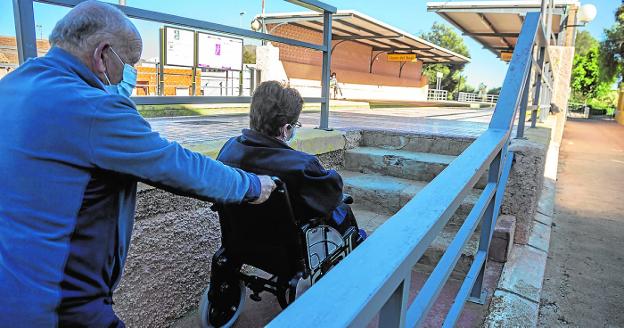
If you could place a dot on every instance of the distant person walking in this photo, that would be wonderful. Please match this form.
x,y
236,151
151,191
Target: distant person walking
x,y
334,87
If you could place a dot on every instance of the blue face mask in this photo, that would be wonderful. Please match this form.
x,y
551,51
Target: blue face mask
x,y
294,133
128,80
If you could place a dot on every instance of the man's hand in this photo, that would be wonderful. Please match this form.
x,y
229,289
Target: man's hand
x,y
267,187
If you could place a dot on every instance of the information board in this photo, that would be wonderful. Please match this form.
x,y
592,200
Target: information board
x,y
219,52
179,47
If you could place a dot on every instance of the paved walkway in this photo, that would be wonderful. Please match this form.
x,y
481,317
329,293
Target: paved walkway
x,y
584,281
444,121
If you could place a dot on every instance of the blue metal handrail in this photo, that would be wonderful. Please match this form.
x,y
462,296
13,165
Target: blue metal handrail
x,y
375,277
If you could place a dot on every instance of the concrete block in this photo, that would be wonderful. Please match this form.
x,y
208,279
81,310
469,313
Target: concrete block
x,y
544,219
398,163
437,144
546,202
376,192
509,310
502,238
540,236
526,180
524,272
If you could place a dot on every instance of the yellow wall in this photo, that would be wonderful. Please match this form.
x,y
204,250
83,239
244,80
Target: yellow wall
x,y
174,77
619,113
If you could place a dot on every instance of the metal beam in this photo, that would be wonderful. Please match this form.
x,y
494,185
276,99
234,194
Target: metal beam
x,y
314,5
515,9
299,18
169,100
369,31
499,34
320,30
371,37
25,29
400,49
192,23
491,27
326,69
337,29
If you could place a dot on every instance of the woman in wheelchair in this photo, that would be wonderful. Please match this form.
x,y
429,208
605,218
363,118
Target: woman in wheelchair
x,y
304,229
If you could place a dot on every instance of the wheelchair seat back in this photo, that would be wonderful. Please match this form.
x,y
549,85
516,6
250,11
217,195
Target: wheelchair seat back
x,y
266,236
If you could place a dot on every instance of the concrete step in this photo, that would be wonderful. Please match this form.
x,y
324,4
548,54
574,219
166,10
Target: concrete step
x,y
436,144
400,163
370,220
386,194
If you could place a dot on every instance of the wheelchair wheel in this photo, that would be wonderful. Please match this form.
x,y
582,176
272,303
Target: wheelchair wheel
x,y
286,296
205,309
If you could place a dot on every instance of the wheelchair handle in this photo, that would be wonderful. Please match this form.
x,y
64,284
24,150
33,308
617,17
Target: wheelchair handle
x,y
278,181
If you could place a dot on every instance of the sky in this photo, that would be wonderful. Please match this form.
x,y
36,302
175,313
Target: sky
x,y
408,15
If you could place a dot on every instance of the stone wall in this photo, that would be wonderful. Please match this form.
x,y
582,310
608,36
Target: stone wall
x,y
168,264
526,180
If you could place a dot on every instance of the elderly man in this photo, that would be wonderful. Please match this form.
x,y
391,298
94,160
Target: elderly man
x,y
73,148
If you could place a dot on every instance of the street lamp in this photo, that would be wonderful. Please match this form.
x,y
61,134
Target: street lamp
x,y
256,25
240,20
586,14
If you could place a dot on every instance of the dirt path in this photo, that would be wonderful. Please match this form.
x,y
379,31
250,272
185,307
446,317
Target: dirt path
x,y
584,282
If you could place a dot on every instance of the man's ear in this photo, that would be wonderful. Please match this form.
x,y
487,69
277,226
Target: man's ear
x,y
98,58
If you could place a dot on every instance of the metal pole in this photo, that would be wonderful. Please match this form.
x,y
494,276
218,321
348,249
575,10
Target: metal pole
x,y
161,66
543,14
549,21
538,85
523,105
25,29
194,70
392,314
327,33
477,295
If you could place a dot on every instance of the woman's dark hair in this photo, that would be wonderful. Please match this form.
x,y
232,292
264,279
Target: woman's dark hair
x,y
272,106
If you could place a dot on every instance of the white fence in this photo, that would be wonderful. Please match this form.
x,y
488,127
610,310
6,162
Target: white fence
x,y
474,97
437,95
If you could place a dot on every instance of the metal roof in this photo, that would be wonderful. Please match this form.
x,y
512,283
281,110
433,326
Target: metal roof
x,y
349,25
496,24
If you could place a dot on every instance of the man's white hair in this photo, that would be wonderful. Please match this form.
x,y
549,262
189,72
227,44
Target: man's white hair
x,y
92,22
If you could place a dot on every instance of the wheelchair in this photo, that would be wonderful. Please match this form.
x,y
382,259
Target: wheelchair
x,y
269,237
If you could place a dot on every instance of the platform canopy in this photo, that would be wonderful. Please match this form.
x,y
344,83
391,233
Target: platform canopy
x,y
496,24
352,26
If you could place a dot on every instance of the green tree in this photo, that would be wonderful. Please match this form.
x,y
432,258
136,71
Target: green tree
x,y
612,49
444,36
249,54
494,91
584,42
586,74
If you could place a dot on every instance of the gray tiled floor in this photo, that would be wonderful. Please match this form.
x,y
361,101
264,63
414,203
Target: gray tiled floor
x,y
443,121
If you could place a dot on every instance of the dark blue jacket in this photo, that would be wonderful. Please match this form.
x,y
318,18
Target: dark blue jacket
x,y
70,157
314,191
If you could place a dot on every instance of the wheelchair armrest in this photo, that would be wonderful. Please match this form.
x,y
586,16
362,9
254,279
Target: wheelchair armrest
x,y
347,199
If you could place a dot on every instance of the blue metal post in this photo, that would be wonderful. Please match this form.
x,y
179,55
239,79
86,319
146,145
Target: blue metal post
x,y
477,294
523,105
392,314
537,100
25,29
327,34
